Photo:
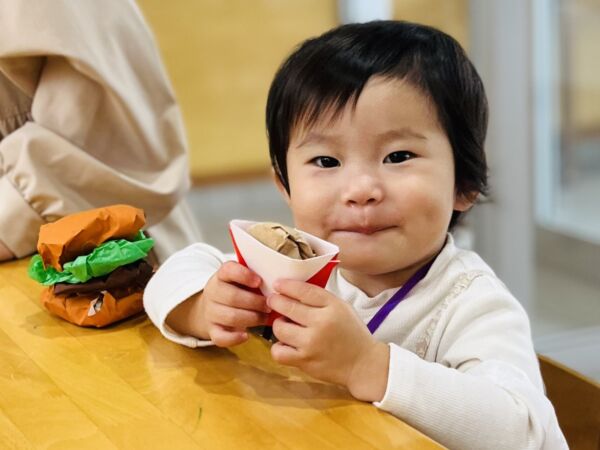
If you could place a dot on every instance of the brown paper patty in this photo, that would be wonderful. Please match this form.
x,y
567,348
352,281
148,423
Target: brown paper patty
x,y
135,275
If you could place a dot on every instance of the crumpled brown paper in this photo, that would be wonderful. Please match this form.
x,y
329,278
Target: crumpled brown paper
x,y
78,234
285,240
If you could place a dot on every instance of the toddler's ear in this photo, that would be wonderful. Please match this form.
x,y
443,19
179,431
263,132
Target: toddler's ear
x,y
463,202
280,186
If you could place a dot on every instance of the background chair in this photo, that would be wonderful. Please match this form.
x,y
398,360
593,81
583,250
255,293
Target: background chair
x,y
576,400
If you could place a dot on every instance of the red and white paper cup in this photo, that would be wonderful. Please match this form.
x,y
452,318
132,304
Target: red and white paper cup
x,y
271,265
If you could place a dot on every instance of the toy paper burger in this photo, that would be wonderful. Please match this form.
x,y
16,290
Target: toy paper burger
x,y
274,251
93,264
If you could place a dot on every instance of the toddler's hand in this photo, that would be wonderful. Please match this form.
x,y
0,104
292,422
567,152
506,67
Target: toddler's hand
x,y
228,308
323,336
224,309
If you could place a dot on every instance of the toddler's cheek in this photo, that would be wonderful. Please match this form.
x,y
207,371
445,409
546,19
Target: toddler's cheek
x,y
431,206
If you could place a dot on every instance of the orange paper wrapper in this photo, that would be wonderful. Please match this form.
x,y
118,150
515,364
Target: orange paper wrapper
x,y
80,309
78,234
271,265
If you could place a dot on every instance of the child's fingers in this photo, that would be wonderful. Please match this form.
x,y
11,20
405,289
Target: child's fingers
x,y
291,308
233,272
234,296
289,333
307,293
285,354
223,337
234,317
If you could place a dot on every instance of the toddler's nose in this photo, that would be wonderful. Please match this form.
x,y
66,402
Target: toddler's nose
x,y
363,190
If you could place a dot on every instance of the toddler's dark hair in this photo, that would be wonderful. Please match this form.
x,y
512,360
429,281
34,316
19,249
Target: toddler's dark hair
x,y
324,73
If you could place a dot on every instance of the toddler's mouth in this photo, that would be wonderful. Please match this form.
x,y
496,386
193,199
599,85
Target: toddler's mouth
x,y
368,230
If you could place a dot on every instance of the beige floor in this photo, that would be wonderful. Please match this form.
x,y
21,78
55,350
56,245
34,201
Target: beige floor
x,y
565,318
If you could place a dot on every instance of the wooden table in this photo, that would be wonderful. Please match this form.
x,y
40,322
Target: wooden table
x,y
127,387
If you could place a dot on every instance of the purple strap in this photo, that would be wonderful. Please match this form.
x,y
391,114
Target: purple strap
x,y
400,295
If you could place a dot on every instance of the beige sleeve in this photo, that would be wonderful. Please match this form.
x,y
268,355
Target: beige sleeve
x,y
105,127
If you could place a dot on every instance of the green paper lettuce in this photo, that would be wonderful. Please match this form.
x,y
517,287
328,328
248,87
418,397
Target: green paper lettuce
x,y
101,261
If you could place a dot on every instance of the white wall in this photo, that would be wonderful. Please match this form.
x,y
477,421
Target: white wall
x,y
504,228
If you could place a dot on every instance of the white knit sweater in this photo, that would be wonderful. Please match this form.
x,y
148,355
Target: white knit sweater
x,y
462,365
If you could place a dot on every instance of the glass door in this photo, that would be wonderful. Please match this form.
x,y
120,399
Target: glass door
x,y
567,105
566,118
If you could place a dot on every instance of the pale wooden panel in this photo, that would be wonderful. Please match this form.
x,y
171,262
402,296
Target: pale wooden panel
x,y
121,413
221,57
583,59
24,386
11,437
450,16
231,395
141,391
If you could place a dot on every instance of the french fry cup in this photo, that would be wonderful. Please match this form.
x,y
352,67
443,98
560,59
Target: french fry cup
x,y
271,265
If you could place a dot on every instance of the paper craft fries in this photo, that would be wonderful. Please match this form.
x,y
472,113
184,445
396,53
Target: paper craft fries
x,y
271,265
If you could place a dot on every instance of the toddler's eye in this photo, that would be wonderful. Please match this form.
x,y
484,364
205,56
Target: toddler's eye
x,y
398,157
325,162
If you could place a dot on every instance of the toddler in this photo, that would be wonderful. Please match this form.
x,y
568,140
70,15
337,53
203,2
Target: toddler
x,y
376,135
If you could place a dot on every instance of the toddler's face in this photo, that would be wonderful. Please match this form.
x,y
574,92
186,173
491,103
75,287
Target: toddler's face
x,y
378,182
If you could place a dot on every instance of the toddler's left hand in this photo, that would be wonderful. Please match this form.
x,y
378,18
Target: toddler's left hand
x,y
323,336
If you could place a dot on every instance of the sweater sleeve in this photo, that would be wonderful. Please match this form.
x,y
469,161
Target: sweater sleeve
x,y
184,274
484,389
103,127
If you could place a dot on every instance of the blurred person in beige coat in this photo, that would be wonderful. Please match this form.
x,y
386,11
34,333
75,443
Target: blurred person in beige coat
x,y
87,118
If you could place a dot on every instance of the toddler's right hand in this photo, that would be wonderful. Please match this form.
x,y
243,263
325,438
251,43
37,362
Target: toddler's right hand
x,y
226,307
